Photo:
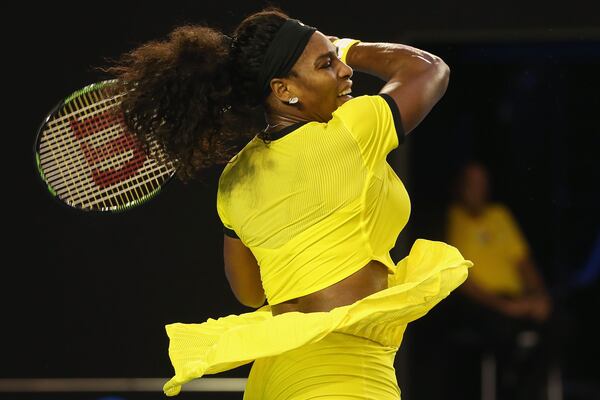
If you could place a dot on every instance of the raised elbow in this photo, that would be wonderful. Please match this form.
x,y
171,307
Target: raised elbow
x,y
441,75
446,77
445,69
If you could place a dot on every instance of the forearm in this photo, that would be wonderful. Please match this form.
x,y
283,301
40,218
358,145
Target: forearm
x,y
387,60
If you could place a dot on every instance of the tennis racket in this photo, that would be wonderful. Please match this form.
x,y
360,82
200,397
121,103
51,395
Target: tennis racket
x,y
88,159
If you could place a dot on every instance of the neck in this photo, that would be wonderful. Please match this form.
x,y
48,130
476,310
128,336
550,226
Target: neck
x,y
278,122
278,114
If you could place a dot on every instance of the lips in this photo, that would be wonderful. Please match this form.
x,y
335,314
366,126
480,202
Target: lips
x,y
346,91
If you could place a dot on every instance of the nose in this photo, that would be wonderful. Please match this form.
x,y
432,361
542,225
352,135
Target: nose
x,y
345,71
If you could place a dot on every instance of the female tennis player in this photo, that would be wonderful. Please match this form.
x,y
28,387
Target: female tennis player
x,y
310,207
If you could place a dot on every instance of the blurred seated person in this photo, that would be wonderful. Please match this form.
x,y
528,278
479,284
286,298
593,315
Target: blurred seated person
x,y
505,303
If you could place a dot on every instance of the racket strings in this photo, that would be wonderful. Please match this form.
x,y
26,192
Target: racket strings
x,y
116,159
72,182
59,134
71,154
58,131
146,175
92,162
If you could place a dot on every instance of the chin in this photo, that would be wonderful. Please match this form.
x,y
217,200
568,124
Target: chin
x,y
343,99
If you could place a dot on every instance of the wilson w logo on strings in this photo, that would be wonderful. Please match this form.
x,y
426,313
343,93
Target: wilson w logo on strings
x,y
112,161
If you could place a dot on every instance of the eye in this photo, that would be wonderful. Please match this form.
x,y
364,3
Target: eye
x,y
328,64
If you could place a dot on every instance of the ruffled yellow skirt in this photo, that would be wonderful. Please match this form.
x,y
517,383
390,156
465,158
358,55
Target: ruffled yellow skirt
x,y
349,349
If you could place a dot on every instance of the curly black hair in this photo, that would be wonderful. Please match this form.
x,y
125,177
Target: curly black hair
x,y
196,94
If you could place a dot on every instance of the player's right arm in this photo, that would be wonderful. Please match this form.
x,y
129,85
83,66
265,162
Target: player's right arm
x,y
415,79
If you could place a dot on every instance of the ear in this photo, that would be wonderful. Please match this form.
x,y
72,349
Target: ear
x,y
280,89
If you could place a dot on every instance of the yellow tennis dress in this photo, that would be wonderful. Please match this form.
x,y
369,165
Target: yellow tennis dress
x,y
314,205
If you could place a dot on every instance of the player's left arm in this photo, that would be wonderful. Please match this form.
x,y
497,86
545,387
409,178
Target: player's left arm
x,y
243,273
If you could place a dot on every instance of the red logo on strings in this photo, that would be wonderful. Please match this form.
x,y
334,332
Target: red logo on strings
x,y
96,154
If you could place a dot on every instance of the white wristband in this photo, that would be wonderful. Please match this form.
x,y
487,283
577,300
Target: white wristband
x,y
343,45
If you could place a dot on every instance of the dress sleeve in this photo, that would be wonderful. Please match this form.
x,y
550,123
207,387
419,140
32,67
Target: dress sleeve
x,y
227,227
375,123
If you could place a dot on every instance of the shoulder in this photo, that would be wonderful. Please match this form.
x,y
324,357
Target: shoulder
x,y
374,123
365,100
498,208
368,105
236,162
500,211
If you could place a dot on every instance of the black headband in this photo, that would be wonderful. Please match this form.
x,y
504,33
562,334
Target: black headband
x,y
285,48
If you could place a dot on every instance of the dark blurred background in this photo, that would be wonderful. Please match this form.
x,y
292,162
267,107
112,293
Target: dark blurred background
x,y
87,296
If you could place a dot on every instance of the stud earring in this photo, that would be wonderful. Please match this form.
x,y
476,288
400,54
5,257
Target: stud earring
x,y
293,100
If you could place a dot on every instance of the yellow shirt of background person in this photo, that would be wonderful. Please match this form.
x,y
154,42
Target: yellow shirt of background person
x,y
495,244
